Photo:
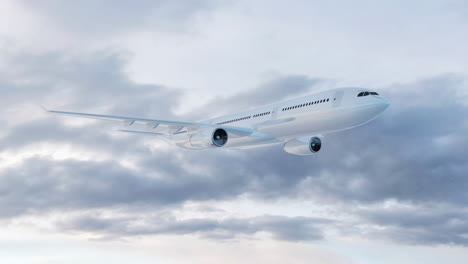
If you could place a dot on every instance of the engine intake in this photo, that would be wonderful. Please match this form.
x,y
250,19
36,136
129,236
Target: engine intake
x,y
220,137
315,144
303,146
208,138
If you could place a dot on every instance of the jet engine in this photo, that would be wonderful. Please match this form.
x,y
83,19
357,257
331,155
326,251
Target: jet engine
x,y
303,146
209,138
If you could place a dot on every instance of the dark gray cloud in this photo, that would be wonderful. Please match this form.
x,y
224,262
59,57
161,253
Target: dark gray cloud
x,y
280,227
42,185
85,81
106,16
414,153
430,224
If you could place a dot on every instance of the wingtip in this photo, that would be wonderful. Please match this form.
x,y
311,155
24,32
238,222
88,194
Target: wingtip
x,y
125,131
45,109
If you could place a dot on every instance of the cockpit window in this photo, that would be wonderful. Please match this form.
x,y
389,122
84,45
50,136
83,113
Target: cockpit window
x,y
366,94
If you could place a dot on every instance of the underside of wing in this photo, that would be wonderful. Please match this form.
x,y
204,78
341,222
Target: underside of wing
x,y
147,133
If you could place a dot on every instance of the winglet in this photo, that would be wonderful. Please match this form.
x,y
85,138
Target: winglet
x,y
45,109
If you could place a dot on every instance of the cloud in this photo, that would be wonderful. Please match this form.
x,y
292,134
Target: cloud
x,y
105,17
280,227
42,185
420,225
398,180
414,153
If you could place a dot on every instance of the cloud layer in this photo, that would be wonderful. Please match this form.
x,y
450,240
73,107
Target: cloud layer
x,y
280,227
96,17
414,154
391,191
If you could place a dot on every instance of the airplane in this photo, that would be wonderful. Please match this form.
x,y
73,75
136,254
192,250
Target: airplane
x,y
296,124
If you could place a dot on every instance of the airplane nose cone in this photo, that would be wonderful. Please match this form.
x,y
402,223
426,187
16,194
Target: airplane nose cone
x,y
387,102
384,104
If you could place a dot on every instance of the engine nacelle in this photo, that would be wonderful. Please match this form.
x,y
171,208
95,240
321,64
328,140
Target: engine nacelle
x,y
209,138
303,146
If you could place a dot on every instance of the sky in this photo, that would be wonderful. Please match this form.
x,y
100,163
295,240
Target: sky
x,y
74,191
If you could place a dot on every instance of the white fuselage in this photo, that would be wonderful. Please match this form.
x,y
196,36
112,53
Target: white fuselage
x,y
319,113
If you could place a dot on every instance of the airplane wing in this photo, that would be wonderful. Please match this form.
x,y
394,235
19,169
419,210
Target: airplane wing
x,y
173,126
